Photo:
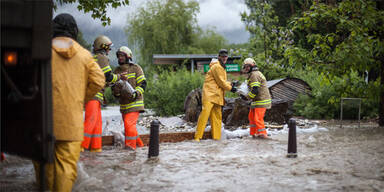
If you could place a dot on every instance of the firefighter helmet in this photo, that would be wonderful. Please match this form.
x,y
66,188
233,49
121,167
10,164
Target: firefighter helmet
x,y
249,61
125,50
102,42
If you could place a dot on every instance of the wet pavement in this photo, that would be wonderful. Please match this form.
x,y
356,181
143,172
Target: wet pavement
x,y
347,159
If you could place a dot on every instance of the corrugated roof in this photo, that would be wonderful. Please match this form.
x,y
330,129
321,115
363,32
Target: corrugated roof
x,y
288,88
273,82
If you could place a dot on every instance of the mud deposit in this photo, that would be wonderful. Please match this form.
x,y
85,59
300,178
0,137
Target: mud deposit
x,y
347,159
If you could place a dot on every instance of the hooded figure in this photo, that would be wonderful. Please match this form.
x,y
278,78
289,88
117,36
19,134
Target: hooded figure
x,y
76,78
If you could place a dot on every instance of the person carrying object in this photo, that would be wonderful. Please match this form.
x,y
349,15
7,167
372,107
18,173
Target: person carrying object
x,y
260,97
92,118
130,93
215,85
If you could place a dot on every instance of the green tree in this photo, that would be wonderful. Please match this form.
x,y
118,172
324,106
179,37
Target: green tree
x,y
339,39
268,36
98,8
83,42
170,27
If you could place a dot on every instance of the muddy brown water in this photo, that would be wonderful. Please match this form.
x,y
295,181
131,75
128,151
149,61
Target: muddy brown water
x,y
347,159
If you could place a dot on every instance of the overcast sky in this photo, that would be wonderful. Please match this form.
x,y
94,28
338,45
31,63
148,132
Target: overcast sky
x,y
223,15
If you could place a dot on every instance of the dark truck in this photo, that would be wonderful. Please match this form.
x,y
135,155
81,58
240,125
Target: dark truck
x,y
26,91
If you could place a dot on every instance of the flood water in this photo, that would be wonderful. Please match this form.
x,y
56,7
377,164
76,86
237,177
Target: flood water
x,y
347,159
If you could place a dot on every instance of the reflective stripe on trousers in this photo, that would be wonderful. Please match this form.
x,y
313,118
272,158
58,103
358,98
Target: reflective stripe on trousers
x,y
132,138
256,121
213,112
92,125
62,173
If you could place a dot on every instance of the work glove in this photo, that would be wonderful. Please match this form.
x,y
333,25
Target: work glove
x,y
134,95
123,76
235,83
234,89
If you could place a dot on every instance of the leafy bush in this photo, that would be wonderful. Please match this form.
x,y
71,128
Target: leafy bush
x,y
327,92
166,91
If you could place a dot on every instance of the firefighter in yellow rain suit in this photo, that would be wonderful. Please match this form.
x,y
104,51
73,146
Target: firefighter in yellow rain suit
x,y
130,104
76,78
92,118
261,99
214,87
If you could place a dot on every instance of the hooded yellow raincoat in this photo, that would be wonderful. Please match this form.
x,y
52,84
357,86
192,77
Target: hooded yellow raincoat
x,y
76,78
214,87
215,84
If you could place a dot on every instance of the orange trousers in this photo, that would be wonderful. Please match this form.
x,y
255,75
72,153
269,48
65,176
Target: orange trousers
x,y
132,138
256,121
92,125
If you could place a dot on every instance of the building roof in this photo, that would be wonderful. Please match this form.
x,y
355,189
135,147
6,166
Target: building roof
x,y
288,89
159,59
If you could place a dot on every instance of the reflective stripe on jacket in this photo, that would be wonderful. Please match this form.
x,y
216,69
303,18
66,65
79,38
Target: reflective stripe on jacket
x,y
76,78
110,78
135,77
263,98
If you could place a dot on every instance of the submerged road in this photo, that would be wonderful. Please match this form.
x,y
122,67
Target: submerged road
x,y
348,159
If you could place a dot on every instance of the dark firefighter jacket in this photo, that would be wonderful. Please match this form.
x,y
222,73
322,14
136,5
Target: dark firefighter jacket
x,y
135,77
110,78
262,99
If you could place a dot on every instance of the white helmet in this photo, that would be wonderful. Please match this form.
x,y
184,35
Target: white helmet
x,y
250,61
124,50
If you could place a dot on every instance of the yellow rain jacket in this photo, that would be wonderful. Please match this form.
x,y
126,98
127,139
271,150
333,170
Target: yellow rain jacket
x,y
215,84
76,78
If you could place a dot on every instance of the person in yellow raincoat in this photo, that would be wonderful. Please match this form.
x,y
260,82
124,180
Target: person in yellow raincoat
x,y
215,85
76,78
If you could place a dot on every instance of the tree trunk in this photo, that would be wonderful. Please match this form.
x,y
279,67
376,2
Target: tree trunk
x,y
380,6
381,108
292,8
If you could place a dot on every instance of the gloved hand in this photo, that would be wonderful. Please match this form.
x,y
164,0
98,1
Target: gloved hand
x,y
234,89
243,97
234,83
134,95
123,76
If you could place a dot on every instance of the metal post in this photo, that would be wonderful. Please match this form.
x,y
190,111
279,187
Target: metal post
x,y
341,109
341,112
292,147
192,65
153,149
359,111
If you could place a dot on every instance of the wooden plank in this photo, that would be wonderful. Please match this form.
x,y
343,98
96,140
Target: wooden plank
x,y
164,137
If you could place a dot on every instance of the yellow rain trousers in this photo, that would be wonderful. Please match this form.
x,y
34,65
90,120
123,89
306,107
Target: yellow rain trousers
x,y
67,154
212,111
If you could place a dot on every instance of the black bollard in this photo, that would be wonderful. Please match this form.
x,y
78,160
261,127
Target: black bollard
x,y
292,148
153,149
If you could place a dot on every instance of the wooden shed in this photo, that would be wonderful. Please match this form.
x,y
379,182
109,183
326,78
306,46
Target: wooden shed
x,y
288,89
